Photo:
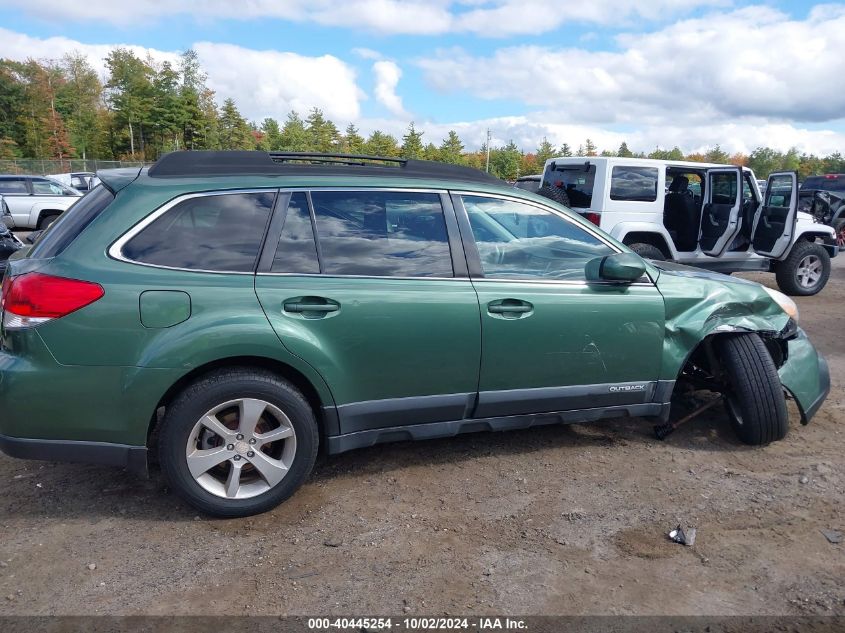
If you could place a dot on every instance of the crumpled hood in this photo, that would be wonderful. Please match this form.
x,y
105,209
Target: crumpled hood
x,y
699,303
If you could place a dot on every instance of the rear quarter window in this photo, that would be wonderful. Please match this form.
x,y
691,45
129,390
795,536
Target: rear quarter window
x,y
71,223
636,184
220,232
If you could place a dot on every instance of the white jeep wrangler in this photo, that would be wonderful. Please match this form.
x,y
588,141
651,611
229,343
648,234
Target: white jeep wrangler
x,y
705,215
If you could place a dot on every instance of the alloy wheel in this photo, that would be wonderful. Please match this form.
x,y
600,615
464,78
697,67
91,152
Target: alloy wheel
x,y
809,271
241,448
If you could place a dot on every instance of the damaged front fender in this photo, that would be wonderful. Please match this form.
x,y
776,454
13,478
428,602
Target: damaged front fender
x,y
805,375
700,304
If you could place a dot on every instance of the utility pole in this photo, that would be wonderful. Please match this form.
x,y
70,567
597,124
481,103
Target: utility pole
x,y
487,169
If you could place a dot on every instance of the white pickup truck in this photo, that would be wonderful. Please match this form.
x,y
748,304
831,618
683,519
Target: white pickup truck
x,y
700,214
35,201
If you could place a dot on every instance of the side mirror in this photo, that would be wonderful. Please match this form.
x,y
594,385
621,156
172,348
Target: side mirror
x,y
622,268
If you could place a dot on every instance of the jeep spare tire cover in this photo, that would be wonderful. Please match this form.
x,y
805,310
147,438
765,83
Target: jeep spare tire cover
x,y
555,193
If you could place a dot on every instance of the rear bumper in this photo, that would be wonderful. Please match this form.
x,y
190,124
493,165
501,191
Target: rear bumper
x,y
133,458
805,375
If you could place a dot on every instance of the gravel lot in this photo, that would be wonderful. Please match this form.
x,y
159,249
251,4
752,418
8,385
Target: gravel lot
x,y
558,520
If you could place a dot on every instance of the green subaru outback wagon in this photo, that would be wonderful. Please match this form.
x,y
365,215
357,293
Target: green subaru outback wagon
x,y
237,311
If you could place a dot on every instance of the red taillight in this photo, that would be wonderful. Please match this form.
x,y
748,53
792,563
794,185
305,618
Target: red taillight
x,y
595,218
36,298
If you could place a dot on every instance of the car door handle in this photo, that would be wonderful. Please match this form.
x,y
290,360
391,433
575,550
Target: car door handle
x,y
510,309
311,307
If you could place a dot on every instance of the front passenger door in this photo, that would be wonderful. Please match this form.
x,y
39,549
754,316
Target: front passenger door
x,y
550,341
775,221
720,216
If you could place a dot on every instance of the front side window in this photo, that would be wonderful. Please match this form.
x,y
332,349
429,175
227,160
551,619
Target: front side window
x,y
13,186
207,232
521,241
779,191
48,188
723,187
637,184
382,233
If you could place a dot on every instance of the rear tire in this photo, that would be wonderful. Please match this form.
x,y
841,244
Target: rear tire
x,y
647,251
47,220
805,271
555,193
221,464
755,401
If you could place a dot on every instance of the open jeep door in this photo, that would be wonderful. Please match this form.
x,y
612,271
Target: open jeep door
x,y
720,214
774,223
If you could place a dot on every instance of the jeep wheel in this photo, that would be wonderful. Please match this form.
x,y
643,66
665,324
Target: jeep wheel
x,y
805,271
238,442
754,398
555,193
647,251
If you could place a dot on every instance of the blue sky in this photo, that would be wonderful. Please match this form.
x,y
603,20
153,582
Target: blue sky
x,y
693,73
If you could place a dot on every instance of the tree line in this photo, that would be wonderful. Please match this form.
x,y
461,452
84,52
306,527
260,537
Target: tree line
x,y
56,109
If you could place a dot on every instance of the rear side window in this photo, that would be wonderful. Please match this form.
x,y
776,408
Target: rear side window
x,y
381,233
636,184
71,223
221,232
13,185
577,181
43,187
296,252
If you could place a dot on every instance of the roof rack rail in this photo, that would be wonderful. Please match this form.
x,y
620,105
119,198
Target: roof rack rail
x,y
338,159
185,164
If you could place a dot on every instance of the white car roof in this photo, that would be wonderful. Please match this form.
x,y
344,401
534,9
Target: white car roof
x,y
645,162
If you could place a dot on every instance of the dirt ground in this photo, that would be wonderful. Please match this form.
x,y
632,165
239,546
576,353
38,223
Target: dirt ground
x,y
557,520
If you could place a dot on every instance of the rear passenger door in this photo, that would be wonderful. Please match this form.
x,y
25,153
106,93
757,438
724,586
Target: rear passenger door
x,y
379,303
720,215
774,225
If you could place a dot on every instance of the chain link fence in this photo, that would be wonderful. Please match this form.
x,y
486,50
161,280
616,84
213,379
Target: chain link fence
x,y
46,167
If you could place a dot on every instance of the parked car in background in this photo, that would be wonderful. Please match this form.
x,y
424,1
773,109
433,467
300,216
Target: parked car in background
x,y
824,198
36,201
529,183
80,180
235,311
9,244
710,216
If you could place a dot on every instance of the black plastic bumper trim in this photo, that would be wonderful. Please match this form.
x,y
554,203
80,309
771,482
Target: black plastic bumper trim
x,y
133,458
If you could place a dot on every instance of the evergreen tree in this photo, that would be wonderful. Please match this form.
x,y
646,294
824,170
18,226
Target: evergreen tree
x,y
624,152
235,132
272,138
451,149
381,144
412,145
294,134
353,142
565,150
590,148
545,151
323,135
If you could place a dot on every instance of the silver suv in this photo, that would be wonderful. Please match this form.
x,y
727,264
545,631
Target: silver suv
x,y
35,201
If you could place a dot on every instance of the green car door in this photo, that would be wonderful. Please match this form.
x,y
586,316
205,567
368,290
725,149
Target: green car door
x,y
379,304
550,341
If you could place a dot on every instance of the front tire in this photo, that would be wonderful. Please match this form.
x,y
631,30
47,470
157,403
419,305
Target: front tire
x,y
754,399
238,442
805,271
647,251
47,220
